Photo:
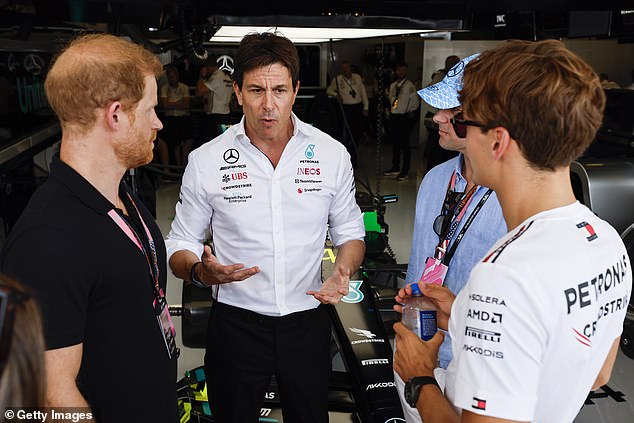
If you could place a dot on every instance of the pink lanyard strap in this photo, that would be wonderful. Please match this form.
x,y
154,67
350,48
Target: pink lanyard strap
x,y
131,233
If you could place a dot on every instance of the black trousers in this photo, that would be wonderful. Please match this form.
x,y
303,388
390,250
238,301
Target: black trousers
x,y
244,349
399,127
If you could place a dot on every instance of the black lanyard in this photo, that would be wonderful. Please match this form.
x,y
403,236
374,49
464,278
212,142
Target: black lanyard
x,y
447,257
453,210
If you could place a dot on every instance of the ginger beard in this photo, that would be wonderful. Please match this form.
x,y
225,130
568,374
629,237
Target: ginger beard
x,y
135,148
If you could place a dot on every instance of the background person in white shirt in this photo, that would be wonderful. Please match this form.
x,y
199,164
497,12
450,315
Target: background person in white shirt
x,y
215,86
271,187
538,324
349,90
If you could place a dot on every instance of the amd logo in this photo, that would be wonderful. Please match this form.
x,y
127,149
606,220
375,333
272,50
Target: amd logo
x,y
484,316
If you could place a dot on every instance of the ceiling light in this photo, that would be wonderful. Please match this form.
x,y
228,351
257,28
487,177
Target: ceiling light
x,y
233,34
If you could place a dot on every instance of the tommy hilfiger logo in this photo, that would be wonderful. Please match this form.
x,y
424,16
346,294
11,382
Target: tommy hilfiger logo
x,y
479,404
588,227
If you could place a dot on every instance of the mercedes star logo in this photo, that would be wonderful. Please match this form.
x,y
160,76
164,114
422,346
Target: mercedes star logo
x,y
225,63
33,64
231,156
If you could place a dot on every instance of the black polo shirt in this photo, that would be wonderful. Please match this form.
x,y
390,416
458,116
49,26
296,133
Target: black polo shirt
x,y
94,288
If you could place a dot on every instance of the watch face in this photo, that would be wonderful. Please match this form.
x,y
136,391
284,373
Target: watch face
x,y
410,396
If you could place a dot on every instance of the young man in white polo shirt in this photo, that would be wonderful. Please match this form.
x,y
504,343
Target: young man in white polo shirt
x,y
538,324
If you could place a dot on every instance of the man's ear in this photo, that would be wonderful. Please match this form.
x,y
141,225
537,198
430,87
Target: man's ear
x,y
236,90
501,142
114,113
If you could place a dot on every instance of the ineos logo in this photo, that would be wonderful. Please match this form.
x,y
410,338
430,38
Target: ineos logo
x,y
231,156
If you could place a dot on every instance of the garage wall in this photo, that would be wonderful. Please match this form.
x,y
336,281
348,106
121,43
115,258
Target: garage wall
x,y
605,56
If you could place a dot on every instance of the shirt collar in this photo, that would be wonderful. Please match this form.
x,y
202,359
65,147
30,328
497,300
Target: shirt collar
x,y
458,168
298,126
78,185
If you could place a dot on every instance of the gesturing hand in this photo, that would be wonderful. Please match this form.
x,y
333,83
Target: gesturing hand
x,y
212,272
334,288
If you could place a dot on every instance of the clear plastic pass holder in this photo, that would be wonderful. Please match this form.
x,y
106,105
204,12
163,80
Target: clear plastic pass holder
x,y
165,323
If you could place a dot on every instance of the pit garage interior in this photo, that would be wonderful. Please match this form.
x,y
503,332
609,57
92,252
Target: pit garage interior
x,y
374,36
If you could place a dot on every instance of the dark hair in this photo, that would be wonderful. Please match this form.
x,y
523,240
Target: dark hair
x,y
451,61
262,49
23,382
212,60
401,65
549,99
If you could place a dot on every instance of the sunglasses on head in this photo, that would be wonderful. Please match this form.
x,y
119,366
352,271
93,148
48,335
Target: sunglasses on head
x,y
460,125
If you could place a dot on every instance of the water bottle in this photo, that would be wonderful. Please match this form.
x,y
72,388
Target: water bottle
x,y
419,315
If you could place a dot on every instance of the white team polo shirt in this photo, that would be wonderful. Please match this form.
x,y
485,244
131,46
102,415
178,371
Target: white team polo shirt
x,y
272,218
220,90
535,322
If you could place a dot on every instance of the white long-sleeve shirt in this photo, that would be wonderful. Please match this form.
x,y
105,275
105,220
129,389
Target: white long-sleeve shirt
x,y
274,218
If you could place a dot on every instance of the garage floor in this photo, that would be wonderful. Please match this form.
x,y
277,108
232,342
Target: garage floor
x,y
613,404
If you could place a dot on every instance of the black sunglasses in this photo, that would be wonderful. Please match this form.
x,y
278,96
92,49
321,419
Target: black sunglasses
x,y
460,125
442,221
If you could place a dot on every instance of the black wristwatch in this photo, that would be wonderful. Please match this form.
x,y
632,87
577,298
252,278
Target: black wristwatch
x,y
194,280
412,388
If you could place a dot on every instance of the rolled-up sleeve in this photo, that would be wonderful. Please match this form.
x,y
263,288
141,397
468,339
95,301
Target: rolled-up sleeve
x,y
345,218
